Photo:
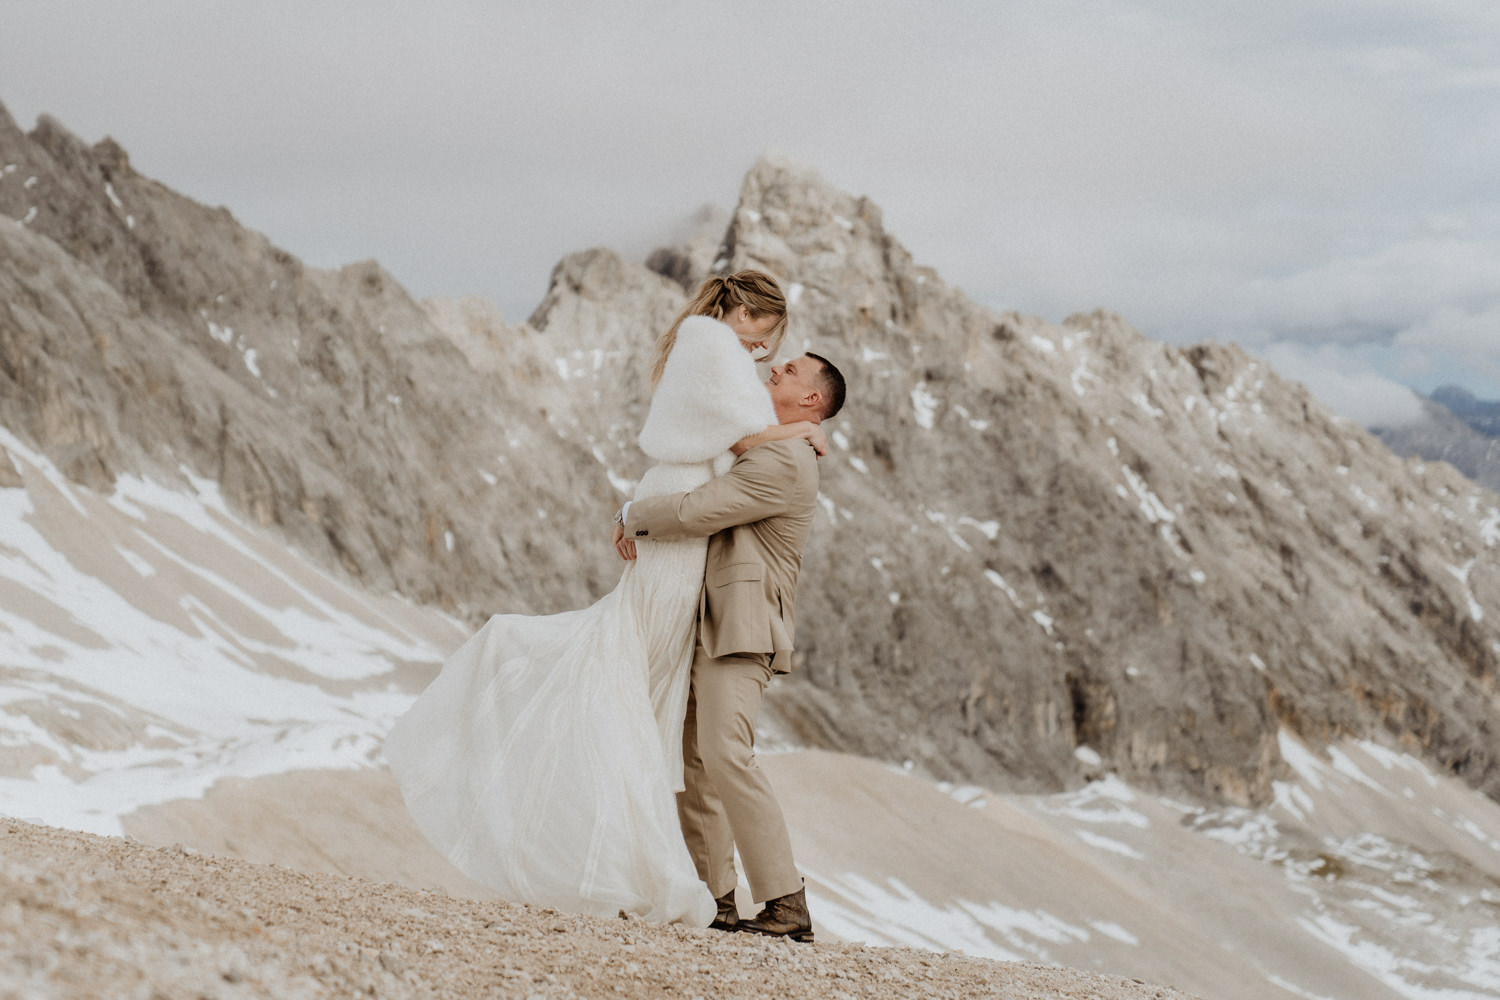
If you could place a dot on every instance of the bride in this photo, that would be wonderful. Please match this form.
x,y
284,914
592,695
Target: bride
x,y
543,759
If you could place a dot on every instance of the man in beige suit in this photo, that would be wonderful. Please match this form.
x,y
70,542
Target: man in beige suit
x,y
757,517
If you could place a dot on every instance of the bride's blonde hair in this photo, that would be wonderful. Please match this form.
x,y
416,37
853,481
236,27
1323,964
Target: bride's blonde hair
x,y
722,294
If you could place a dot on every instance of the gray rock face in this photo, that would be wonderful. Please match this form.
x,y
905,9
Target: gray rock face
x,y
1481,414
1045,550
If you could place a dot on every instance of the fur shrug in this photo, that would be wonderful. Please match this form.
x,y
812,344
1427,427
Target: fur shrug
x,y
708,398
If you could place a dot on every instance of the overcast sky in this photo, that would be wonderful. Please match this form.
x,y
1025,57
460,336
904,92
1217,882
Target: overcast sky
x,y
1318,180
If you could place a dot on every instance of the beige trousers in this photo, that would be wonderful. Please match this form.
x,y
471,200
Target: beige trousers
x,y
728,801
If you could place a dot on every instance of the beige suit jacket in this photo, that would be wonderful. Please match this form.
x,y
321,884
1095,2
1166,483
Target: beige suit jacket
x,y
757,517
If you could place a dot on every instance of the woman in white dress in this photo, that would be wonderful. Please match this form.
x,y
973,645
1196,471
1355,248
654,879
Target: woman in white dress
x,y
543,759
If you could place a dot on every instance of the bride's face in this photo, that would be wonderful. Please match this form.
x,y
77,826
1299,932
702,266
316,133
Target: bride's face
x,y
752,330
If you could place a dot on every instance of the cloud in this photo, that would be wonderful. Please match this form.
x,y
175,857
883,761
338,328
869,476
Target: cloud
x,y
1453,345
1371,296
1454,330
1282,172
1346,383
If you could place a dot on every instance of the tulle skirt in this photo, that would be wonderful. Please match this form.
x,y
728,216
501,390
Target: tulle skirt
x,y
542,760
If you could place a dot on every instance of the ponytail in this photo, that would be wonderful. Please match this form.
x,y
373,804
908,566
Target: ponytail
x,y
720,295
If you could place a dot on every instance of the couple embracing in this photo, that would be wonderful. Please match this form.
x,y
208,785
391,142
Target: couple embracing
x,y
603,760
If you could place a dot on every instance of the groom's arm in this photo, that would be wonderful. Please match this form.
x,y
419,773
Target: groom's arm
x,y
758,485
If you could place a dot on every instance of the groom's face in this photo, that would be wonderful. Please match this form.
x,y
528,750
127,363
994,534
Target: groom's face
x,y
795,390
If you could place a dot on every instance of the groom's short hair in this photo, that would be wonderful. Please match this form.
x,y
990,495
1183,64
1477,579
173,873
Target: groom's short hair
x,y
830,387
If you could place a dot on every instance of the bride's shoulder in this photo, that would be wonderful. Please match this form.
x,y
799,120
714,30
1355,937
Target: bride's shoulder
x,y
706,349
707,333
709,395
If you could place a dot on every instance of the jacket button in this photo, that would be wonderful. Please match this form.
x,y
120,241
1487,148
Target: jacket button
x,y
640,534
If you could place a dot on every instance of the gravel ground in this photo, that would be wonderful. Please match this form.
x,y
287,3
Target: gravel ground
x,y
94,917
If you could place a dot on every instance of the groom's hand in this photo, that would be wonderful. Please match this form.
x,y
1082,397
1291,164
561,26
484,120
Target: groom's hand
x,y
624,546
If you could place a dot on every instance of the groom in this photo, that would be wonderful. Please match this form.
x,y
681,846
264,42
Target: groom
x,y
757,517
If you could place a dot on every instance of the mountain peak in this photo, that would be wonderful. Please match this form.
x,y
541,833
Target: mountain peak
x,y
1454,396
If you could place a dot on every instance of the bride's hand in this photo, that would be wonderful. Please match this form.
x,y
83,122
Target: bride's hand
x,y
624,546
818,439
785,432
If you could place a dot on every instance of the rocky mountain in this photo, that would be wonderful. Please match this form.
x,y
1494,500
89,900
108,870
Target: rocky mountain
x,y
1481,414
1048,551
1455,428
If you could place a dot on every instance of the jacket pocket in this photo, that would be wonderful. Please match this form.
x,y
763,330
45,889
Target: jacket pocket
x,y
737,573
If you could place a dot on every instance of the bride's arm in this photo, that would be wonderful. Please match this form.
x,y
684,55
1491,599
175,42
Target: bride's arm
x,y
784,432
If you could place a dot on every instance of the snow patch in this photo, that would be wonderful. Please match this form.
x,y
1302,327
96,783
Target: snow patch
x,y
1006,588
1489,529
1301,760
1105,801
1293,798
198,682
1344,765
858,909
1111,929
1109,844
1140,399
1082,379
1151,504
924,404
1462,573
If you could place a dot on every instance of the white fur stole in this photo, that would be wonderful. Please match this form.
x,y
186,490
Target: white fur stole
x,y
708,398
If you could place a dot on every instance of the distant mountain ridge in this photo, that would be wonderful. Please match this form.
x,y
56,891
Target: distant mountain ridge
x,y
1456,428
1481,414
1045,551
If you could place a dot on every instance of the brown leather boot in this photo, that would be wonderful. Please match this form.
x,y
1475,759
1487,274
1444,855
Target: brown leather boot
x,y
784,916
728,917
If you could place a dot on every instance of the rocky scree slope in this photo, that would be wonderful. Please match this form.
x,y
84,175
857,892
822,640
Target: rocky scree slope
x,y
89,916
1046,551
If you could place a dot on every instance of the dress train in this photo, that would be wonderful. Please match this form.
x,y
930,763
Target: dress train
x,y
542,760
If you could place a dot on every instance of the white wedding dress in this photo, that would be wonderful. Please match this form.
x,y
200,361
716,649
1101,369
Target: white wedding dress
x,y
543,759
